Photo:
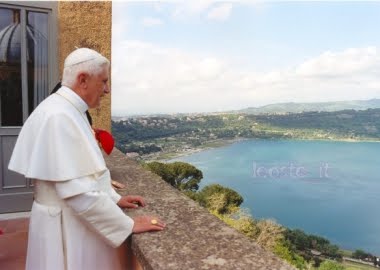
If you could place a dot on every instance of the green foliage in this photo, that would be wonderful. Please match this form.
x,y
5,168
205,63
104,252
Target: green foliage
x,y
241,221
361,254
180,175
266,233
328,265
142,149
303,242
270,233
191,194
298,239
343,123
282,108
282,250
220,199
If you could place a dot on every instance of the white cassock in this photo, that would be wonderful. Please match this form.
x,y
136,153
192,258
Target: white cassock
x,y
75,222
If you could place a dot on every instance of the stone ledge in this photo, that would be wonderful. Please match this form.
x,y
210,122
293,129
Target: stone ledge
x,y
193,238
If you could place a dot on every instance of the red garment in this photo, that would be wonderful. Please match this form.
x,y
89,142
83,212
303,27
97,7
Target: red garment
x,y
105,139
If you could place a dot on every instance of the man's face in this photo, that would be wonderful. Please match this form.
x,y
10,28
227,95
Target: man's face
x,y
97,87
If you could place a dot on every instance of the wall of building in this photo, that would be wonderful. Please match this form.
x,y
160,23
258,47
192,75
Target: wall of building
x,y
87,24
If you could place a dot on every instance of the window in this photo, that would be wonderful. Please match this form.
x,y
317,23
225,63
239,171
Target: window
x,y
28,68
25,67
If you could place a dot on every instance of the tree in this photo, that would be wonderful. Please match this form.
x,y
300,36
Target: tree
x,y
186,176
297,238
270,234
303,242
219,198
333,252
359,254
160,169
180,175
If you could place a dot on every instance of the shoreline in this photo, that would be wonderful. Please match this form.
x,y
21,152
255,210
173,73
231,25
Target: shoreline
x,y
208,145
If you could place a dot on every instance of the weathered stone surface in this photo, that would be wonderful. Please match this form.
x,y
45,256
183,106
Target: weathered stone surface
x,y
193,238
87,24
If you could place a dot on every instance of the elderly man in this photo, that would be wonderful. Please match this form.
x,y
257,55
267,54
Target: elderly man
x,y
76,220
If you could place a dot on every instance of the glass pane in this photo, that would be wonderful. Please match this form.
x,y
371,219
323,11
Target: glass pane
x,y
37,57
10,68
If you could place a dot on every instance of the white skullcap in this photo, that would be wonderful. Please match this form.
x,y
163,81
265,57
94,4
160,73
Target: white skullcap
x,y
82,55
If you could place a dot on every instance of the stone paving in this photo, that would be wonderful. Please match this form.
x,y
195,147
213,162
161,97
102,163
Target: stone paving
x,y
13,243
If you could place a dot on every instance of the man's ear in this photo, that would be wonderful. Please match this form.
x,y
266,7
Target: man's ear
x,y
82,79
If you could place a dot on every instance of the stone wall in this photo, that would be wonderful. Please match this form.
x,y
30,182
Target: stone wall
x,y
87,24
193,238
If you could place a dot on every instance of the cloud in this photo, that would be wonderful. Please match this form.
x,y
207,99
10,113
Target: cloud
x,y
348,61
119,27
157,6
148,21
220,12
212,9
151,79
185,9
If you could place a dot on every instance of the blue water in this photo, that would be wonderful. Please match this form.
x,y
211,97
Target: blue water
x,y
331,189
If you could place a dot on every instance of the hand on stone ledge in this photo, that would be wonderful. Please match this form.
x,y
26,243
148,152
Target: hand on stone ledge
x,y
146,224
117,185
131,201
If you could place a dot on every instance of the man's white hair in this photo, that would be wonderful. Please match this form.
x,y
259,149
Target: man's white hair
x,y
82,60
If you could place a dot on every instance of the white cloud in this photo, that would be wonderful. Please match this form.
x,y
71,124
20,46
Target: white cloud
x,y
341,63
157,6
220,12
212,9
151,79
120,23
148,21
185,9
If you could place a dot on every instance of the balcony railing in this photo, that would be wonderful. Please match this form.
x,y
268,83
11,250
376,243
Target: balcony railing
x,y
192,239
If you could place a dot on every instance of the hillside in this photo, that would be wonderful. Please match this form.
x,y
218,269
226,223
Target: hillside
x,y
292,107
176,134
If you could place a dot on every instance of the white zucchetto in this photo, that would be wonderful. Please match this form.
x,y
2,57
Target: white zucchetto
x,y
81,55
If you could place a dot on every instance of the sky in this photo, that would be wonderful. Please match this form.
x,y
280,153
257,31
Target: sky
x,y
212,56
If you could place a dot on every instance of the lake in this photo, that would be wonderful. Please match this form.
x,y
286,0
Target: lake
x,y
331,189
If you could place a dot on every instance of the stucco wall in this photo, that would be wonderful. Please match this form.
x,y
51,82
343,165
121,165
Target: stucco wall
x,y
87,24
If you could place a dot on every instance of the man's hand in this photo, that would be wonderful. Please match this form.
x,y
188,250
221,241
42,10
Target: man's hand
x,y
146,224
131,201
117,185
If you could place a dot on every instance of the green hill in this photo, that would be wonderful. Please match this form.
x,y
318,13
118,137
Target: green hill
x,y
180,133
292,107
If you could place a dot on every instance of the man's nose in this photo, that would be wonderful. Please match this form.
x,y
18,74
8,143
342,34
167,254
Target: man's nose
x,y
107,89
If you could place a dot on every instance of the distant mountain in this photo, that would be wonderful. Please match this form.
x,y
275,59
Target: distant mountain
x,y
293,107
